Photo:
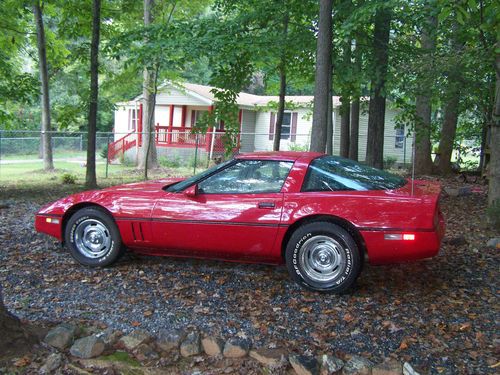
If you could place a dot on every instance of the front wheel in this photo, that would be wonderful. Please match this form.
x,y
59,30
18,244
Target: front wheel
x,y
92,238
322,256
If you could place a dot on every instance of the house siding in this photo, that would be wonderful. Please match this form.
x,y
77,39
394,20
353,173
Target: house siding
x,y
247,140
177,97
402,155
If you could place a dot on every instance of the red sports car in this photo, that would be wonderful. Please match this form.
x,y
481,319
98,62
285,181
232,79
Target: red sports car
x,y
319,214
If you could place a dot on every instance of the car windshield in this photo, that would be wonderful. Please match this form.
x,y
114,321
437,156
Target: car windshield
x,y
332,173
181,185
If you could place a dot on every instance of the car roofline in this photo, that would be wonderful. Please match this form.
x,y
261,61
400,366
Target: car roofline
x,y
279,155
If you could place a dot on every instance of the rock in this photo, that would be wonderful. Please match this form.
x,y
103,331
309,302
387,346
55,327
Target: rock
x,y
408,370
236,347
61,337
87,347
494,242
170,339
330,364
269,357
212,345
52,363
191,345
110,337
358,366
133,340
453,192
144,352
388,367
456,241
304,365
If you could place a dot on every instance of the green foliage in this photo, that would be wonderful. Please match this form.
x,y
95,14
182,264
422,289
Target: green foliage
x,y
68,179
298,147
104,152
172,162
390,162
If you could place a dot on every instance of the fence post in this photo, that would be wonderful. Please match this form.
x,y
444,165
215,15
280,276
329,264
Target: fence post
x,y
404,152
107,157
81,142
1,131
195,154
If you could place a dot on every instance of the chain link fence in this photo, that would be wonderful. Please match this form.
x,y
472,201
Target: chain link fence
x,y
178,153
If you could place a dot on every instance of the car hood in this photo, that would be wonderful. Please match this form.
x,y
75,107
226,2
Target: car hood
x,y
144,187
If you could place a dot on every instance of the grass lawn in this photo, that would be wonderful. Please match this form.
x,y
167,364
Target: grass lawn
x,y
30,176
62,154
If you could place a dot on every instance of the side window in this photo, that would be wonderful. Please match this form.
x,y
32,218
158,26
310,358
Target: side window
x,y
319,180
247,177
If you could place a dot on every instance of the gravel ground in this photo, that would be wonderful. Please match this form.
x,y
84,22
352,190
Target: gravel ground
x,y
441,315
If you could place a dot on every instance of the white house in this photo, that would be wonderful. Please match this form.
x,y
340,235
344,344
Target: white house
x,y
179,105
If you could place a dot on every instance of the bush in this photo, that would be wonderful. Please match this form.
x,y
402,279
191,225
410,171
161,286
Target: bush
x,y
389,162
297,147
169,163
68,179
104,152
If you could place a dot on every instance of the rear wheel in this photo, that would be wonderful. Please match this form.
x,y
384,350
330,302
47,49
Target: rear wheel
x,y
322,256
92,238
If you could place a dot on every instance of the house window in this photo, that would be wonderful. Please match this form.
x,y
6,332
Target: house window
x,y
400,138
286,125
132,119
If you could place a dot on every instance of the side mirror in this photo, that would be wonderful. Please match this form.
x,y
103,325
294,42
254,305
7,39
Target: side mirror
x,y
191,191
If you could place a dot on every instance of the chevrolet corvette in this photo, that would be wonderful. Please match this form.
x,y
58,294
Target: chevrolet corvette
x,y
320,215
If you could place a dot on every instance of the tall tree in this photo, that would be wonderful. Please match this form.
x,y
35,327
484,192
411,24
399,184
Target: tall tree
x,y
322,77
90,177
376,115
282,71
451,103
494,177
148,156
423,105
48,163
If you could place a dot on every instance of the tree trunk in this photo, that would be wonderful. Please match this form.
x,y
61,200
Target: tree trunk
x,y
148,158
322,77
451,107
494,168
423,150
282,70
354,138
345,116
14,336
90,178
448,132
345,107
376,112
48,163
329,123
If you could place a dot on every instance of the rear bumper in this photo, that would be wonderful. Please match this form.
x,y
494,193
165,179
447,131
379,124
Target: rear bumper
x,y
49,224
426,244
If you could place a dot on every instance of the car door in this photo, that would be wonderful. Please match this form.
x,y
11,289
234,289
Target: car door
x,y
235,213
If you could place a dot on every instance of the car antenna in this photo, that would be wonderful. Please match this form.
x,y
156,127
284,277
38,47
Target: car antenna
x,y
413,165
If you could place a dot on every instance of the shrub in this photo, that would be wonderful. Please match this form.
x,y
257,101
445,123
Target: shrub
x,y
389,162
297,147
104,152
169,163
68,179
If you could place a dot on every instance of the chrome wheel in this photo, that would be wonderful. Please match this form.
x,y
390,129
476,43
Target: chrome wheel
x,y
322,259
92,238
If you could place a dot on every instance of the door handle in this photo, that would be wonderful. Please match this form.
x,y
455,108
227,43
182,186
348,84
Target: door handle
x,y
266,205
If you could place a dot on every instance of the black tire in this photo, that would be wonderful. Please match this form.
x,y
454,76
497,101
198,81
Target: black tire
x,y
92,238
324,257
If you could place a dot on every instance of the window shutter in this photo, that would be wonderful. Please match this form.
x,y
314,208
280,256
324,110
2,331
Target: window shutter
x,y
271,126
293,131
